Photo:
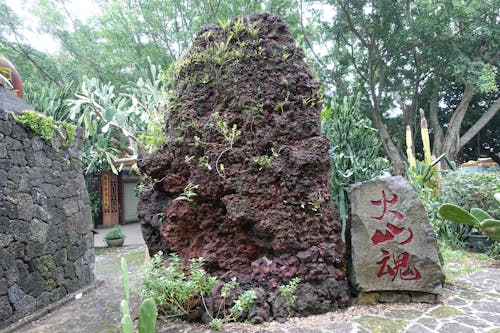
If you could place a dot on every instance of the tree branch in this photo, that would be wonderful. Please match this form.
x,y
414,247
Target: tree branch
x,y
351,25
338,83
20,50
437,129
480,123
451,144
353,61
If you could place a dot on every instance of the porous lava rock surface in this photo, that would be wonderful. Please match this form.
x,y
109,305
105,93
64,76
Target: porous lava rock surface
x,y
243,130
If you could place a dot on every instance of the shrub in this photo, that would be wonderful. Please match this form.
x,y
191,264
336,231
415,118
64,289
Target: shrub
x,y
288,292
175,292
115,233
467,190
355,149
180,293
472,190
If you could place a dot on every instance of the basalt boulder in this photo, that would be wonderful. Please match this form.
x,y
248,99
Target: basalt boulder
x,y
242,180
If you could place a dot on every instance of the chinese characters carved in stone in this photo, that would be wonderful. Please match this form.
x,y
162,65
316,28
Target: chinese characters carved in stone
x,y
392,264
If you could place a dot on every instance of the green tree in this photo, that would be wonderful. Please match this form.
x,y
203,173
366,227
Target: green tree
x,y
117,45
32,64
118,122
403,56
119,95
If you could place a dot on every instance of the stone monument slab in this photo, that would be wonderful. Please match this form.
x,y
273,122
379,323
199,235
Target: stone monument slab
x,y
393,246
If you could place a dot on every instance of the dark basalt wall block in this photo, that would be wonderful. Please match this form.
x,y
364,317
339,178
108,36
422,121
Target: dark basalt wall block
x,y
46,244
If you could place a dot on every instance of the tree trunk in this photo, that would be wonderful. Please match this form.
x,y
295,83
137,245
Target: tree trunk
x,y
389,147
437,145
376,82
451,144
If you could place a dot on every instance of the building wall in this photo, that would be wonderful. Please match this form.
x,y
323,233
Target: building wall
x,y
46,244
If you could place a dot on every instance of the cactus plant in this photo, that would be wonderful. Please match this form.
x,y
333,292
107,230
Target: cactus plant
x,y
147,316
124,271
126,325
147,311
476,217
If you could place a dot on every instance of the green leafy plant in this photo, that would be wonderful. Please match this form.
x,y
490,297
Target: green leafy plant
x,y
288,292
115,122
472,190
419,175
95,202
430,174
45,127
355,149
115,233
180,292
176,293
476,217
189,193
242,303
229,133
41,125
70,132
203,162
147,311
224,24
280,107
316,203
264,162
50,99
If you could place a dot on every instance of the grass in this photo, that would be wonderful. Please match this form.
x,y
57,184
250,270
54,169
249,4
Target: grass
x,y
459,262
102,250
113,264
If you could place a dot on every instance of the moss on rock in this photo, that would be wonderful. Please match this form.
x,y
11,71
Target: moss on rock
x,y
445,311
381,325
45,126
41,125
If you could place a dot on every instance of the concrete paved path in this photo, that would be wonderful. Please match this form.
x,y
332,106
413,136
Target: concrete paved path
x,y
132,231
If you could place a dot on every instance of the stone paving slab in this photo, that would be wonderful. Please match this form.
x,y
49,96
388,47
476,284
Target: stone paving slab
x,y
471,304
99,310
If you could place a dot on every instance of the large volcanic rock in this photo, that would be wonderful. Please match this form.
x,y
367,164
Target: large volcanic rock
x,y
243,132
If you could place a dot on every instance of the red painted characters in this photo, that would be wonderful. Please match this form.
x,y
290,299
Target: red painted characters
x,y
392,264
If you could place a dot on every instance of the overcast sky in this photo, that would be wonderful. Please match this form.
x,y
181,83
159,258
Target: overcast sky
x,y
83,9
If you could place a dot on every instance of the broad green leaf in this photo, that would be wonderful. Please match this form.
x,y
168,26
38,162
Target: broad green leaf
x,y
457,214
491,228
480,214
147,316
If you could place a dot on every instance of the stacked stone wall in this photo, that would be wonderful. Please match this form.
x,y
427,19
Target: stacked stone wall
x,y
46,244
